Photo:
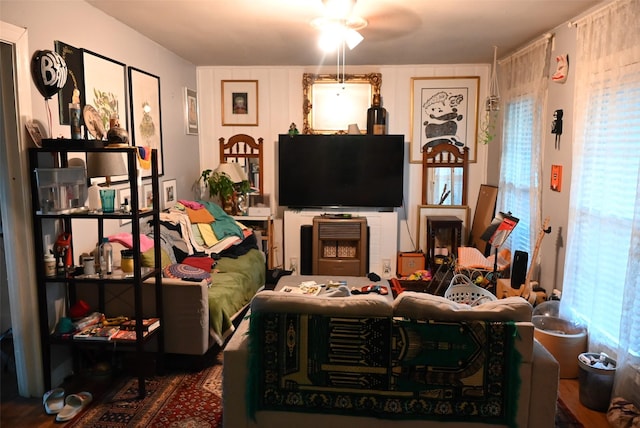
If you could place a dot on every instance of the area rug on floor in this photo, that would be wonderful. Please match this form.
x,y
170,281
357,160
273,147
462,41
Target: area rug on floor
x,y
175,400
564,417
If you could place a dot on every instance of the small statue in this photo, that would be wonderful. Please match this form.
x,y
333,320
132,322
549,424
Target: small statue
x,y
293,130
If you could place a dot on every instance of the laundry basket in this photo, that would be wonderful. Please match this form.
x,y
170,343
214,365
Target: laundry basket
x,y
462,290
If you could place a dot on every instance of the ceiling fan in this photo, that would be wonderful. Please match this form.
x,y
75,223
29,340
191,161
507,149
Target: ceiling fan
x,y
339,26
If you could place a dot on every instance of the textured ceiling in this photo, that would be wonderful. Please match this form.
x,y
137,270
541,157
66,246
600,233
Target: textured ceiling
x,y
278,32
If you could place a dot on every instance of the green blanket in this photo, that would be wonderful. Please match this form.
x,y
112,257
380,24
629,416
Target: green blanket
x,y
384,367
232,287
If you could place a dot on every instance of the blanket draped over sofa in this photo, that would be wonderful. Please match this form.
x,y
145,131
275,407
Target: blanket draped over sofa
x,y
384,367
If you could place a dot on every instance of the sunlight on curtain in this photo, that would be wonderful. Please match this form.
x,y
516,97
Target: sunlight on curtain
x,y
524,81
601,287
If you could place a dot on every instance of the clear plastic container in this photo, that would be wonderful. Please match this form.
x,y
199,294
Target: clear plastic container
x,y
61,189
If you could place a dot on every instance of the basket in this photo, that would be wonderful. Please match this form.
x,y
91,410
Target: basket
x,y
467,292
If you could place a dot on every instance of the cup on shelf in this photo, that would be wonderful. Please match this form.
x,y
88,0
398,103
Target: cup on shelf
x,y
107,198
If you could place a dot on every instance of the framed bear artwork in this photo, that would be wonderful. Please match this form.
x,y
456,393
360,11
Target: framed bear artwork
x,y
444,110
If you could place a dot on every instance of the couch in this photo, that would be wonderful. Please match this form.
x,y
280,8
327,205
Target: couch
x,y
198,312
365,360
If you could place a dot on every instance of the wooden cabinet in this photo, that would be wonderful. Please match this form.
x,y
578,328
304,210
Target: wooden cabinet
x,y
62,221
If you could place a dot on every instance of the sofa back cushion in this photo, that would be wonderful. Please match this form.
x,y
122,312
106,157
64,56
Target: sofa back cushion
x,y
423,306
369,305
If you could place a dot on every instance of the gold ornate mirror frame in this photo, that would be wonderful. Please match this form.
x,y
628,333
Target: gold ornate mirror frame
x,y
351,81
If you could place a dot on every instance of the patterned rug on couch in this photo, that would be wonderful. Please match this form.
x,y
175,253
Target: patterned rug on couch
x,y
186,399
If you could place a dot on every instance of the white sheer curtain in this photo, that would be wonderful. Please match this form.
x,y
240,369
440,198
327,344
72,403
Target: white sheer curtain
x,y
523,86
601,281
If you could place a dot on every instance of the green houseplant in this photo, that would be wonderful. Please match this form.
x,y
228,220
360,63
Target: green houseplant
x,y
223,188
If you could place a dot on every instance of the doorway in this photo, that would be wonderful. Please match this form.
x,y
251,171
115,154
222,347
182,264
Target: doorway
x,y
15,97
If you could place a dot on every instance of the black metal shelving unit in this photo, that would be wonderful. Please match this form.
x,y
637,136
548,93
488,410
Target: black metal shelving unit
x,y
57,152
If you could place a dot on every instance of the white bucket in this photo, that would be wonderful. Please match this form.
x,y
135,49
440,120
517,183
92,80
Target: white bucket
x,y
563,340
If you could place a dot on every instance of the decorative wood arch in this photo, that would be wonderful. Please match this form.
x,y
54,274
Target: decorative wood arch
x,y
248,153
445,156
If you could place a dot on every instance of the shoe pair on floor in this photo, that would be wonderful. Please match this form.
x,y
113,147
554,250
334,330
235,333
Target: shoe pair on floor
x,y
67,408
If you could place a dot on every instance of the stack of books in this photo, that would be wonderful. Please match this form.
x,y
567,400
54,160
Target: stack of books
x,y
125,332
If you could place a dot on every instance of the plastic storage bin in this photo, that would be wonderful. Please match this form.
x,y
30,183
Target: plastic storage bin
x,y
61,190
597,372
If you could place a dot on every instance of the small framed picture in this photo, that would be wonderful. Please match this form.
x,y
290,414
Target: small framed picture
x,y
147,201
35,132
169,196
191,111
239,103
124,196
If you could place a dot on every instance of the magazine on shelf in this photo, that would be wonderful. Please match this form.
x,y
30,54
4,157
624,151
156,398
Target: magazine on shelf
x,y
127,336
148,324
96,333
306,287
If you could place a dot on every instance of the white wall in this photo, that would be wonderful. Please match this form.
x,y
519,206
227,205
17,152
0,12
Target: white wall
x,y
555,205
280,103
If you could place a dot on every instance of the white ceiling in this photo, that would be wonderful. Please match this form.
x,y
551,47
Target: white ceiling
x,y
278,32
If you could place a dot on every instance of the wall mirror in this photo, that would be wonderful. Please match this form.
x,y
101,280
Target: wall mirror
x,y
330,104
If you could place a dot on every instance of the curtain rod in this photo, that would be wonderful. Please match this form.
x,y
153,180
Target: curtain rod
x,y
544,37
591,13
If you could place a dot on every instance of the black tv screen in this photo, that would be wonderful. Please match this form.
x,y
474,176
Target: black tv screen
x,y
340,170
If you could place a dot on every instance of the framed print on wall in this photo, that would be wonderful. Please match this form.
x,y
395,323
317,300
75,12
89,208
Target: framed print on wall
x,y
75,79
191,111
169,194
146,115
105,88
424,211
239,103
444,110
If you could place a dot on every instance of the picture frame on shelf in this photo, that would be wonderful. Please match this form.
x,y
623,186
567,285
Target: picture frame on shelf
x,y
146,114
239,102
444,110
72,56
424,211
169,194
191,111
124,192
147,197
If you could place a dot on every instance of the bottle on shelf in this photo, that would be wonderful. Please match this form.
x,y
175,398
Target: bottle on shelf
x,y
376,117
106,257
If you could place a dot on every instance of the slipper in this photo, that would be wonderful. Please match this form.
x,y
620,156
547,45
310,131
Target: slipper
x,y
74,403
53,401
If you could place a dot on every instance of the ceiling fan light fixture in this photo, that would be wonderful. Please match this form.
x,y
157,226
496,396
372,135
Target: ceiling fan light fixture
x,y
334,32
352,38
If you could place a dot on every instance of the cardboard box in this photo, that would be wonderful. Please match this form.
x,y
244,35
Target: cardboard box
x,y
408,263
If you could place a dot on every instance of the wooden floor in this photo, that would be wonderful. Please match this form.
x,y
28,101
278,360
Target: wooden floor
x,y
16,411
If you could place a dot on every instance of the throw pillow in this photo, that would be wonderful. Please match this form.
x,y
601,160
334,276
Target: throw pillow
x,y
203,262
186,272
414,305
149,255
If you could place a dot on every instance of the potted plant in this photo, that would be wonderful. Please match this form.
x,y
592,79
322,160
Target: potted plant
x,y
223,188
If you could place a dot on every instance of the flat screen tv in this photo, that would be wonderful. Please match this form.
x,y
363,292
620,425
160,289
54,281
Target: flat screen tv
x,y
340,171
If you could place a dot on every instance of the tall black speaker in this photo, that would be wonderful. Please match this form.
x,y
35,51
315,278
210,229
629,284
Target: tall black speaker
x,y
519,269
306,249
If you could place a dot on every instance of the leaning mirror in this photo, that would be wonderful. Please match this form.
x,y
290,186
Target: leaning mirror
x,y
331,103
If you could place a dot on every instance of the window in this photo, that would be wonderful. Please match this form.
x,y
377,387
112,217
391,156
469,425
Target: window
x,y
517,176
604,203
